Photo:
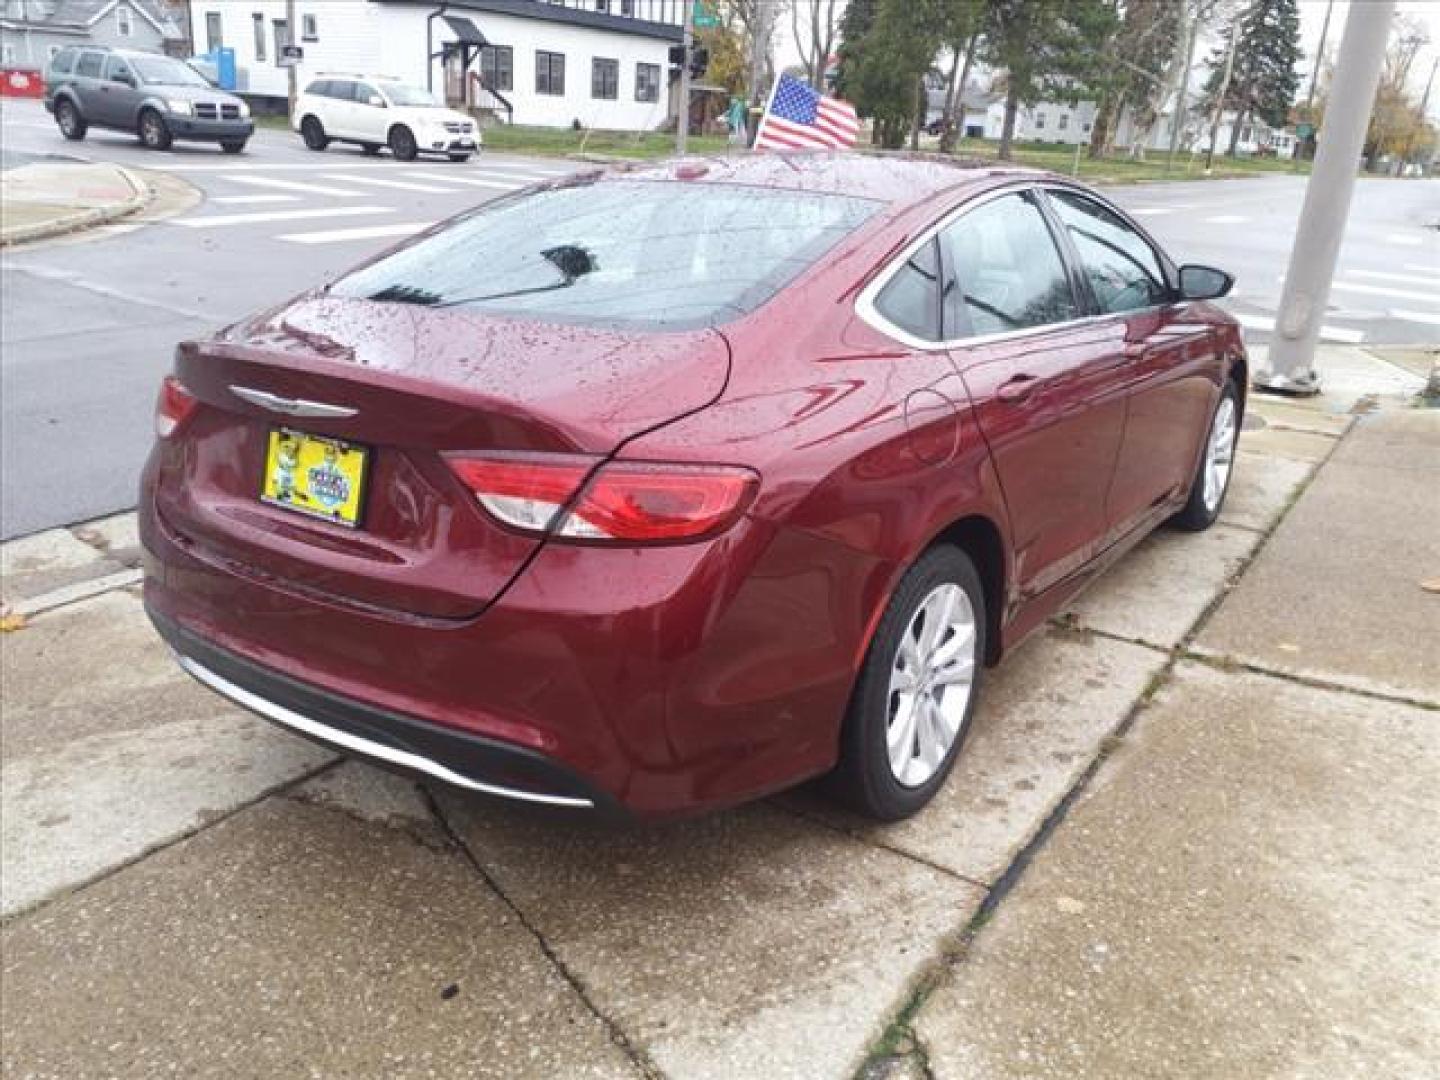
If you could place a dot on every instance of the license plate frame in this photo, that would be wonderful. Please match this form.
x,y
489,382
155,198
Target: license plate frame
x,y
343,503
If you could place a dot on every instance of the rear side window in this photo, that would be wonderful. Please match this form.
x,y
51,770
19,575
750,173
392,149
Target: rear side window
x,y
911,298
627,252
318,88
1009,270
89,64
1123,270
63,62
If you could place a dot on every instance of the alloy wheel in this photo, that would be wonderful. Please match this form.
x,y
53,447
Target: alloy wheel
x,y
1220,453
931,680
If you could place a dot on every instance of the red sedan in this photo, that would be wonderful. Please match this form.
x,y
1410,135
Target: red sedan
x,y
662,490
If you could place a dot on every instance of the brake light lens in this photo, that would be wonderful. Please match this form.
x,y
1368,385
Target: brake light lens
x,y
173,407
621,502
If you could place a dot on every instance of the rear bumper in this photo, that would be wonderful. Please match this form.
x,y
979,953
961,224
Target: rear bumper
x,y
391,739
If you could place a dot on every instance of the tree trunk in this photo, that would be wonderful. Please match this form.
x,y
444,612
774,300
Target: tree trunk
x,y
1007,131
1099,132
920,112
1117,113
1235,133
955,131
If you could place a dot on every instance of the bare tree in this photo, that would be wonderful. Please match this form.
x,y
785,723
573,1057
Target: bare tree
x,y
815,25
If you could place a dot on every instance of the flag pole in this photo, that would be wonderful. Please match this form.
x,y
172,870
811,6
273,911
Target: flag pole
x,y
765,116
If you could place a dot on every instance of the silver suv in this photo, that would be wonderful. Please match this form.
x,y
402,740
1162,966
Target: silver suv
x,y
157,97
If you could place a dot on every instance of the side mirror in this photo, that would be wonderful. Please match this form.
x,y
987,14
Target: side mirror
x,y
1204,283
375,100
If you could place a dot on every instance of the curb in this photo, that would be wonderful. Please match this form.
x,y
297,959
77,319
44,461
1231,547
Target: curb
x,y
141,195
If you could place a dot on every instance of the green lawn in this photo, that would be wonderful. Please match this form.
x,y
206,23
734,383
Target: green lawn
x,y
1123,169
557,142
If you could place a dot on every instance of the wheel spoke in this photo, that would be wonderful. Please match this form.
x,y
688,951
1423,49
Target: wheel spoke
x,y
900,737
957,671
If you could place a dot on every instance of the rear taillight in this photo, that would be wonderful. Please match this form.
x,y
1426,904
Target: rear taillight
x,y
173,407
622,502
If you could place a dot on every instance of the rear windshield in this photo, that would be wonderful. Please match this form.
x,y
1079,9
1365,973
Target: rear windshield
x,y
625,253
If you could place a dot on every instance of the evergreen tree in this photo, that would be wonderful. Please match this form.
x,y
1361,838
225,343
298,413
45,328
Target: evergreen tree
x,y
1264,80
888,46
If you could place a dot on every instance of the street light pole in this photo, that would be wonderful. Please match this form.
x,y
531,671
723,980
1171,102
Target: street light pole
x,y
682,119
1289,366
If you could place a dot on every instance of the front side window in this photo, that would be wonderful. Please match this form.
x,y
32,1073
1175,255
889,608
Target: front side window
x,y
214,34
605,78
364,92
1008,269
122,21
647,82
404,96
497,67
1123,270
259,20
117,70
631,253
550,73
89,65
911,298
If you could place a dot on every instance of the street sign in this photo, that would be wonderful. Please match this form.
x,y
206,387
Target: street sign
x,y
704,17
1304,131
290,56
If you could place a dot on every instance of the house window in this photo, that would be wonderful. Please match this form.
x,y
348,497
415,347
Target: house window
x,y
647,82
627,7
309,28
549,73
259,36
497,67
1064,121
214,37
1039,121
122,21
604,78
7,54
602,5
282,37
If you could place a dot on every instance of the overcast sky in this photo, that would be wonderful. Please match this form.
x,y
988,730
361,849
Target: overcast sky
x,y
1312,19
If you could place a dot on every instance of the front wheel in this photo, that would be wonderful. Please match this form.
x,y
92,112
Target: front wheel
x,y
402,143
233,146
72,124
1212,476
153,131
917,689
313,132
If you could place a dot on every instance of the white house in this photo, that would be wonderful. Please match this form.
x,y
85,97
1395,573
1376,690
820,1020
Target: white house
x,y
604,63
1046,121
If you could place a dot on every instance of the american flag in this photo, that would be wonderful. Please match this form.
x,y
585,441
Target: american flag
x,y
801,118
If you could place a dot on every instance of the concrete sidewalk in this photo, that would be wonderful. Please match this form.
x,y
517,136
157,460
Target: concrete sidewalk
x,y
47,199
186,889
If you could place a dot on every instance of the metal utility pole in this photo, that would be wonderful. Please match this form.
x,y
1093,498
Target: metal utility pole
x,y
291,36
1289,366
682,119
1220,98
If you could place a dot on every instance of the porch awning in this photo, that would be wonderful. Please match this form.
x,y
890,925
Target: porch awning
x,y
466,32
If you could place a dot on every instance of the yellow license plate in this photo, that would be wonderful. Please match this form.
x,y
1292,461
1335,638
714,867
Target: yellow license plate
x,y
313,475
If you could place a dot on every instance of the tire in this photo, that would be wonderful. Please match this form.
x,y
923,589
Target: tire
x,y
403,144
72,124
459,159
313,132
153,131
370,148
233,146
1207,488
890,784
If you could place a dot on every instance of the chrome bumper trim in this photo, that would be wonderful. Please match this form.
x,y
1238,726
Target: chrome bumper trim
x,y
354,743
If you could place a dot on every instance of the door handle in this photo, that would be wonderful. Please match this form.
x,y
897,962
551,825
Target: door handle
x,y
1017,389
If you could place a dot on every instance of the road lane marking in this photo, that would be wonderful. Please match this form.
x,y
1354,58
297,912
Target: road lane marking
x,y
374,232
1404,238
1404,279
1377,290
1153,211
212,220
1226,219
1432,318
1340,334
471,181
403,185
238,200
296,185
1424,269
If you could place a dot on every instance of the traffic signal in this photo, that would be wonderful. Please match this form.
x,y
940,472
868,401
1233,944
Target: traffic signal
x,y
699,61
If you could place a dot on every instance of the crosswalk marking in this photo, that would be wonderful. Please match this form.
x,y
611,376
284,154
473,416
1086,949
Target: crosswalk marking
x,y
1152,211
373,232
1432,269
1405,279
1432,318
402,185
1403,238
213,220
1226,219
473,181
296,185
1377,290
1342,335
240,200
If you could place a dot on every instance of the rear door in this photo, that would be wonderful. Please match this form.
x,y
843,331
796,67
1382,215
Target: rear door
x,y
1168,357
1044,379
89,70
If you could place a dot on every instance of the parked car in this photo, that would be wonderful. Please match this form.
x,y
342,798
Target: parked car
x,y
667,489
372,112
159,98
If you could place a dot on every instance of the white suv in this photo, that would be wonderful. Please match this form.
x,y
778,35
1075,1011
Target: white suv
x,y
376,112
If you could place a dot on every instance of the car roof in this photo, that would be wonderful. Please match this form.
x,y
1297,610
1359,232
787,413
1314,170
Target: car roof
x,y
894,178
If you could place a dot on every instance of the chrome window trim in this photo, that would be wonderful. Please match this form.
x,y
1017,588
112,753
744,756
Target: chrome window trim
x,y
356,744
869,314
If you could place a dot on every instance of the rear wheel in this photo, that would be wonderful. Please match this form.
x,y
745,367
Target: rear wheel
x,y
154,132
916,693
233,146
72,124
1212,477
402,143
313,132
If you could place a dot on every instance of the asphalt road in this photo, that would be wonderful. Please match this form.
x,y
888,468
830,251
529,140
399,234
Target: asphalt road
x,y
88,325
